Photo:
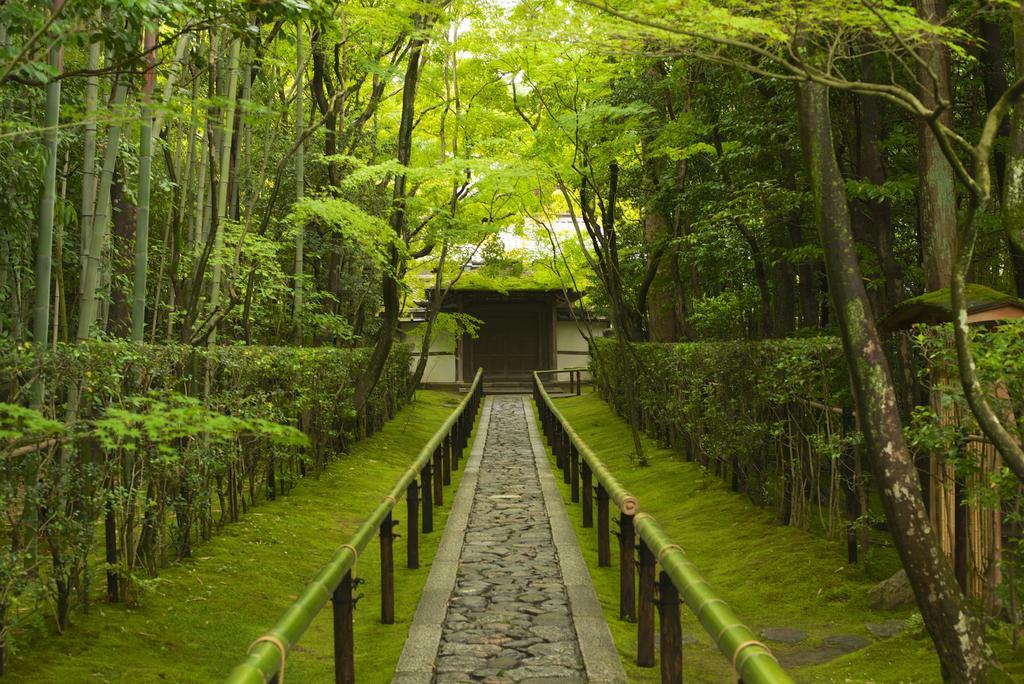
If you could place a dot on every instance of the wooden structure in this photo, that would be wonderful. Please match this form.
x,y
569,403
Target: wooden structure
x,y
522,330
969,534
517,336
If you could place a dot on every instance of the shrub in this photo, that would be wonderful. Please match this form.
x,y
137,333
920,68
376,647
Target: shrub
x,y
144,451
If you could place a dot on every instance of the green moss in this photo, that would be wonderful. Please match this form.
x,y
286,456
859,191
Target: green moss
x,y
773,576
936,307
536,281
201,615
977,295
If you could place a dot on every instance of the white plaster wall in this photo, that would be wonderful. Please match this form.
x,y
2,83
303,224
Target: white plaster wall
x,y
442,362
440,369
570,339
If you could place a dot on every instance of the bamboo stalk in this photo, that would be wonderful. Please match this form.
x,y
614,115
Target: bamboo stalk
x,y
145,176
300,168
89,177
44,228
98,238
224,175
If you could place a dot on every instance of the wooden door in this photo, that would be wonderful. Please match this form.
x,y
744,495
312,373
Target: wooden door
x,y
513,341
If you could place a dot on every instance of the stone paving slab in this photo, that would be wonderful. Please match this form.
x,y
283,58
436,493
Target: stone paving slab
x,y
600,656
416,664
518,609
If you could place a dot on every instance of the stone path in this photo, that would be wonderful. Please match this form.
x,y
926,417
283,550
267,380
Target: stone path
x,y
520,607
509,614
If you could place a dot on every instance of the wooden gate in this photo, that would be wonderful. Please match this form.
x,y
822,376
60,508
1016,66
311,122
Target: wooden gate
x,y
514,340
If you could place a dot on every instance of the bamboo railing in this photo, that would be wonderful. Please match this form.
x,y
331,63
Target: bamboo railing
x,y
433,465
575,377
580,465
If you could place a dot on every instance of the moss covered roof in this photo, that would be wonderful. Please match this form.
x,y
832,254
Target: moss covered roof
x,y
934,307
543,281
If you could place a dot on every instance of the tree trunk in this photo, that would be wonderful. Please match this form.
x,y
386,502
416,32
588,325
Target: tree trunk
x,y
805,272
1013,179
435,308
44,263
122,237
764,318
876,215
396,262
993,80
937,189
661,310
955,630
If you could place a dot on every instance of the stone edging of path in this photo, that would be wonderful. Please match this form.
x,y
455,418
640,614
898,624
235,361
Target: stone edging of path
x,y
600,656
416,664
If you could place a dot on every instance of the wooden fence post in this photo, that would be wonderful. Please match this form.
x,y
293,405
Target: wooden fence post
x,y
344,659
588,495
671,632
427,497
454,436
446,462
412,499
627,572
556,444
566,458
604,553
438,478
574,475
387,570
453,455
645,611
463,431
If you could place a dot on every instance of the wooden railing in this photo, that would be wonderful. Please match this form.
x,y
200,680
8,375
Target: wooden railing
x,y
580,466
433,466
575,377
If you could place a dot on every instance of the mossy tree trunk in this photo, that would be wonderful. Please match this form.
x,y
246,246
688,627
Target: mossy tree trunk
x,y
955,630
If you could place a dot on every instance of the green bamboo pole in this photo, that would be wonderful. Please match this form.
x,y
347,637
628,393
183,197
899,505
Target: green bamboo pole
x,y
752,660
44,264
98,239
300,166
224,175
145,175
88,207
264,659
172,78
44,228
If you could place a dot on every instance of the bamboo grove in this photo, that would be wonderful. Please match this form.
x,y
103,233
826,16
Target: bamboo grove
x,y
218,212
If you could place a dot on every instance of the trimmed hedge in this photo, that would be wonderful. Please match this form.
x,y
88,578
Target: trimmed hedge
x,y
753,413
141,452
